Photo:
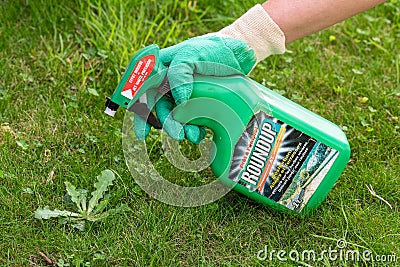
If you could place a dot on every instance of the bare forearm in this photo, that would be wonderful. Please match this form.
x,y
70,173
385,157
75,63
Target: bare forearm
x,y
299,18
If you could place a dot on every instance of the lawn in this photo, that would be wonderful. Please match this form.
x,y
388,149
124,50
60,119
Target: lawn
x,y
59,61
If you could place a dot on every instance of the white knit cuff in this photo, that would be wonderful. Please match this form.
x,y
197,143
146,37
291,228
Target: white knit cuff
x,y
258,30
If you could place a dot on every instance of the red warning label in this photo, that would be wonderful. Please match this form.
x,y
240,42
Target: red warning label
x,y
138,76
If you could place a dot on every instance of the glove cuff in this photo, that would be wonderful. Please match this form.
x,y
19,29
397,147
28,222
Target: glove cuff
x,y
257,29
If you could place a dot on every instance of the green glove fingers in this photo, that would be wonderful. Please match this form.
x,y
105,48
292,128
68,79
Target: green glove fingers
x,y
180,77
140,127
168,54
194,133
176,130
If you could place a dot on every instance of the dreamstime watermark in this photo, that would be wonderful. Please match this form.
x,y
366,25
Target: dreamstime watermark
x,y
339,253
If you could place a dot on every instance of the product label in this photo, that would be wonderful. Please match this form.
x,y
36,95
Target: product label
x,y
280,162
138,76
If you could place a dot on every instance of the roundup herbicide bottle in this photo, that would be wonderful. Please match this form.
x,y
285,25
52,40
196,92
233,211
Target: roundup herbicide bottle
x,y
266,147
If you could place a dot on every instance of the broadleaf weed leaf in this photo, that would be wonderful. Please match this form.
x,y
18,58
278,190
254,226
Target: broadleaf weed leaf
x,y
74,194
100,207
47,213
121,208
22,144
103,181
68,203
80,225
82,195
77,223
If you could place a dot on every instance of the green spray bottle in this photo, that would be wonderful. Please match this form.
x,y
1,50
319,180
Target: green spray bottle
x,y
266,146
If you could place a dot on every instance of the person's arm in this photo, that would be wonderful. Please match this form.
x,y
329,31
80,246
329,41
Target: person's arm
x,y
300,18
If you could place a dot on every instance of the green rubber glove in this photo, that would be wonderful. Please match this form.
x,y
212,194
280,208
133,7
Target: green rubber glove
x,y
207,55
211,54
163,107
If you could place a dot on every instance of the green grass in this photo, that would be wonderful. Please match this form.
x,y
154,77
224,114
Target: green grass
x,y
53,129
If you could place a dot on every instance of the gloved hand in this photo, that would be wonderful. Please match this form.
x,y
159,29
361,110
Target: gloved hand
x,y
208,55
175,129
235,49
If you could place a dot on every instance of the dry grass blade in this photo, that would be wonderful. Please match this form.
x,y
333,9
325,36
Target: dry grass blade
x,y
374,194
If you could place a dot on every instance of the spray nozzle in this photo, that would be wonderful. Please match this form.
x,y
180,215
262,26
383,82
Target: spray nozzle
x,y
111,107
145,71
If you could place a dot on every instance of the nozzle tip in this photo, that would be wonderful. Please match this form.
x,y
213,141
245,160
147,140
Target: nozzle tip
x,y
110,112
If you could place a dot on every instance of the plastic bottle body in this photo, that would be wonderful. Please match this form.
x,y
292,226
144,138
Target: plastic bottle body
x,y
268,147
